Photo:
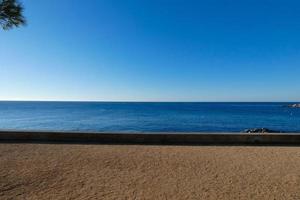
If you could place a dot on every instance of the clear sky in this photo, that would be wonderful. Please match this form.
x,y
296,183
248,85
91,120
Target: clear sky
x,y
153,50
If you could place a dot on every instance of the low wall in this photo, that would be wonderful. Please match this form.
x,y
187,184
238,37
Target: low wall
x,y
151,138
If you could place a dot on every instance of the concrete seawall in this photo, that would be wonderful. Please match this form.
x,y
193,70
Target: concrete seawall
x,y
151,138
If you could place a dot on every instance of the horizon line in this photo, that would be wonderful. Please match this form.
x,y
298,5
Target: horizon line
x,y
141,101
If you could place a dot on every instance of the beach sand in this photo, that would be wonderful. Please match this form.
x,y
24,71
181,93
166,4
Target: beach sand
x,y
73,171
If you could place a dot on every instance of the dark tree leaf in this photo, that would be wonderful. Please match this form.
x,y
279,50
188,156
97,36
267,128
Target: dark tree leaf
x,y
11,14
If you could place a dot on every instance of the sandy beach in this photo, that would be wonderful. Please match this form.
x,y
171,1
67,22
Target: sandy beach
x,y
77,171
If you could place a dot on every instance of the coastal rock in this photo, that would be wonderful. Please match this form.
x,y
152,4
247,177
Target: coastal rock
x,y
296,105
259,130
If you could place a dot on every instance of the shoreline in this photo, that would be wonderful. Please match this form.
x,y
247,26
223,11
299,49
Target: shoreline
x,y
169,138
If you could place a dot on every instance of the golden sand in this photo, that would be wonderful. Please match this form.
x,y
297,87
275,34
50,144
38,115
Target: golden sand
x,y
68,171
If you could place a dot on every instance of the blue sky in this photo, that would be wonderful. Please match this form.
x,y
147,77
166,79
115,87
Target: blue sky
x,y
153,50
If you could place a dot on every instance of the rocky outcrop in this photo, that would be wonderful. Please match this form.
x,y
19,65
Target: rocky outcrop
x,y
296,105
260,130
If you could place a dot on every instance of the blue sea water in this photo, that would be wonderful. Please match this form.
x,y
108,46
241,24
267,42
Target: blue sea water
x,y
147,117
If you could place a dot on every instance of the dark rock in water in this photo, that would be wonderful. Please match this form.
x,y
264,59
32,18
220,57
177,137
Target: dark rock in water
x,y
260,130
296,105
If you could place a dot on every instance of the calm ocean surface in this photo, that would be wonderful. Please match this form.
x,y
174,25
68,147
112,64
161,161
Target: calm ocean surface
x,y
148,117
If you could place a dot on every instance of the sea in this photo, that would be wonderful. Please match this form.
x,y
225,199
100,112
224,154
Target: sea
x,y
150,117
